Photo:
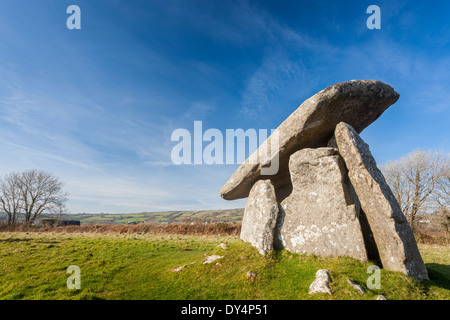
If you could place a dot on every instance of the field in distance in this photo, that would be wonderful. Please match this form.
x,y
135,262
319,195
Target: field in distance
x,y
228,216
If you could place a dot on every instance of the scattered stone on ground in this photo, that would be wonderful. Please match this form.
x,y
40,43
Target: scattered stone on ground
x,y
356,286
210,259
320,284
251,276
177,269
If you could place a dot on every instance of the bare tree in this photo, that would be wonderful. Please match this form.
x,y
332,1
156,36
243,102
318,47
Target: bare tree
x,y
30,194
418,182
443,190
10,197
442,198
443,218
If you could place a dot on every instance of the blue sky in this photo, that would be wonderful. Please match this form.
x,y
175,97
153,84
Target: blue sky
x,y
97,106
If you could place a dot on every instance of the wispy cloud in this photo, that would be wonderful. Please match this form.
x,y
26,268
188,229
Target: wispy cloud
x,y
33,153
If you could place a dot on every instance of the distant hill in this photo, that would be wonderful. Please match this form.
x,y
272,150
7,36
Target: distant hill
x,y
229,215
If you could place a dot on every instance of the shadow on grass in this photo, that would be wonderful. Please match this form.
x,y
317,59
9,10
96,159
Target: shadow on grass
x,y
16,240
439,274
275,255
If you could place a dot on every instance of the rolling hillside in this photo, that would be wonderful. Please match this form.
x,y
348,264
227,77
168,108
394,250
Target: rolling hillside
x,y
230,216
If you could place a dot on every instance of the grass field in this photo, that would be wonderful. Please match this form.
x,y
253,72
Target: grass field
x,y
229,215
138,266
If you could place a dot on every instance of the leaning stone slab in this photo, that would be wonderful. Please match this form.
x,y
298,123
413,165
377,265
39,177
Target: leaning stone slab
x,y
357,102
260,216
393,236
319,216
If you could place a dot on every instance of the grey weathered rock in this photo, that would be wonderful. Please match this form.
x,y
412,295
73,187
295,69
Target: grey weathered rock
x,y
319,216
357,102
332,142
212,258
260,216
369,241
321,283
393,236
381,297
177,269
355,286
223,246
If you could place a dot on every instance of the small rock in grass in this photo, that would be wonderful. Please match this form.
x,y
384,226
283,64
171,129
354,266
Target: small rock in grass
x,y
223,246
177,269
212,258
320,284
251,276
356,286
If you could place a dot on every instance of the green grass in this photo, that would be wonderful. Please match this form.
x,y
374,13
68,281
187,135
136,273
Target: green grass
x,y
33,266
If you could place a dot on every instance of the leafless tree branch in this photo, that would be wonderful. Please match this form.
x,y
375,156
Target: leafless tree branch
x,y
420,182
30,194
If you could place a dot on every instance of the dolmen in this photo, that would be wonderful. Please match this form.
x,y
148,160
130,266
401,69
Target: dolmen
x,y
327,196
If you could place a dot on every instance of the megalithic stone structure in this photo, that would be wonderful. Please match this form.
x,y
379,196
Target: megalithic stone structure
x,y
393,235
356,102
328,198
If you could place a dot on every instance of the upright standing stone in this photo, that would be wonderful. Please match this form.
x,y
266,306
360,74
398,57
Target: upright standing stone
x,y
260,216
394,238
319,216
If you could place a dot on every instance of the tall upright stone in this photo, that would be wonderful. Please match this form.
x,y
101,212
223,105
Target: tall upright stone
x,y
393,236
260,216
319,215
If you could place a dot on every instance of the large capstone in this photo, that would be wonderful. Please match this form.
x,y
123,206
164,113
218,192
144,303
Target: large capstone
x,y
260,216
357,102
393,236
319,216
